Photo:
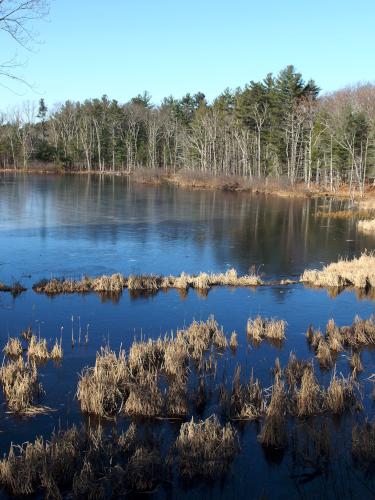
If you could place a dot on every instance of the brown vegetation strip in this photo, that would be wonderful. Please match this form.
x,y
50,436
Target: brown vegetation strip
x,y
15,289
117,282
366,226
358,272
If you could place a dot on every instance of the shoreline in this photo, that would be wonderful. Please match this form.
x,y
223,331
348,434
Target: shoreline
x,y
198,182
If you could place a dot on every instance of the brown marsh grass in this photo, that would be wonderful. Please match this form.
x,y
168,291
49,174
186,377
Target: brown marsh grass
x,y
21,386
366,226
38,349
247,401
205,449
13,348
83,463
340,394
130,385
102,390
117,282
310,395
263,328
57,351
15,289
358,272
273,431
233,343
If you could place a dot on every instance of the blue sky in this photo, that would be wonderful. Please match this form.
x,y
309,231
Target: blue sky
x,y
123,47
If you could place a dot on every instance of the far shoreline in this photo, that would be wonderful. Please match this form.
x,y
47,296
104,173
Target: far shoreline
x,y
202,182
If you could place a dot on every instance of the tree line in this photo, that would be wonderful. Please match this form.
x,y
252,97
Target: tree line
x,y
280,127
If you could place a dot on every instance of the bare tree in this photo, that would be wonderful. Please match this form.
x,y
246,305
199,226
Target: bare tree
x,y
16,21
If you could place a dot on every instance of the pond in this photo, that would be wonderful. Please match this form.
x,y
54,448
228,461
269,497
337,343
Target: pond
x,y
70,226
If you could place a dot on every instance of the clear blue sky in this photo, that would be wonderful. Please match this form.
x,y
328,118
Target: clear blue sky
x,y
123,47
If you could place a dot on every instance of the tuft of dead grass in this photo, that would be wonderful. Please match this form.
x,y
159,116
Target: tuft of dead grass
x,y
273,431
38,348
21,386
13,348
205,449
263,328
310,395
247,401
102,390
358,272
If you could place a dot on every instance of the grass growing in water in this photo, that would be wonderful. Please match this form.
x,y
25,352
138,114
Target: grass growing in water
x,y
358,272
205,449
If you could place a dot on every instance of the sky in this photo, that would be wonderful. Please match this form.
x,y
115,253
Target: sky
x,y
88,48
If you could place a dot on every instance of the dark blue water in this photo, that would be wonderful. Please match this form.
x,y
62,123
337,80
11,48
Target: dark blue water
x,y
70,226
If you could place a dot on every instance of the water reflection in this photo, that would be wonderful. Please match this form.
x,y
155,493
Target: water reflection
x,y
71,225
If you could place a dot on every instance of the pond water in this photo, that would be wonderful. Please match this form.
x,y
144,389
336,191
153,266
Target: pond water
x,y
75,225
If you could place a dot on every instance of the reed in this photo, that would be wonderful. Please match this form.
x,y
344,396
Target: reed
x,y
117,282
247,401
13,348
356,363
263,328
205,449
273,431
233,343
57,351
21,386
358,272
340,394
38,349
102,390
309,395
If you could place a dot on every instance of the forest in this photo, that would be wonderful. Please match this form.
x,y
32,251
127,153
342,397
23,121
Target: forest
x,y
281,127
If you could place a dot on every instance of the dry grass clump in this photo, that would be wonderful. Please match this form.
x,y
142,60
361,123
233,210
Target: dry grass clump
x,y
273,431
131,385
103,389
324,355
360,334
177,398
56,351
113,284
340,394
310,395
143,282
83,464
356,363
233,343
294,370
15,289
367,226
21,386
38,348
145,397
263,328
358,272
205,449
363,444
13,348
247,401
